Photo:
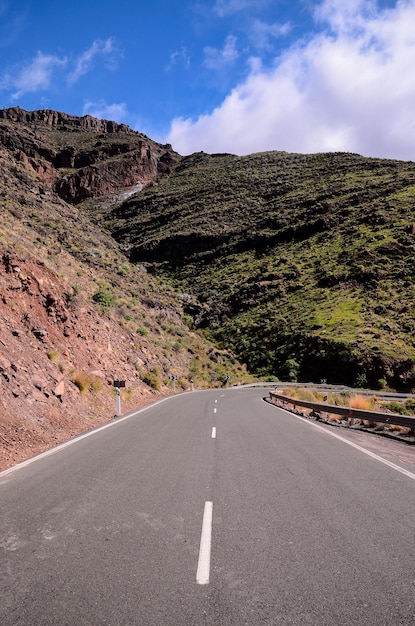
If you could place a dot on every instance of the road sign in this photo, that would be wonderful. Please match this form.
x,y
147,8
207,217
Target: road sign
x,y
117,384
173,379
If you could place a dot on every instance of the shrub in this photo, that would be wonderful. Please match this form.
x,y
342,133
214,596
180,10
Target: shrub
x,y
86,382
361,402
403,408
361,380
290,370
52,356
104,299
152,378
142,331
382,384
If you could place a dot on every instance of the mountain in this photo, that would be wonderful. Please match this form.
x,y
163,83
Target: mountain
x,y
75,313
302,265
122,260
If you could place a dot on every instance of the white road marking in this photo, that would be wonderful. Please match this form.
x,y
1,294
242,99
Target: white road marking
x,y
61,446
203,566
214,410
215,401
214,432
354,445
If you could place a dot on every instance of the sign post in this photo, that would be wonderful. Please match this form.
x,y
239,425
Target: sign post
x,y
117,385
173,379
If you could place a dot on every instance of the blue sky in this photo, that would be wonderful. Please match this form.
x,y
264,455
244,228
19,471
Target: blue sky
x,y
236,76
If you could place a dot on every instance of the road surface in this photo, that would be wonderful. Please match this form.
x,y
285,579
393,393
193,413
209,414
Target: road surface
x,y
210,508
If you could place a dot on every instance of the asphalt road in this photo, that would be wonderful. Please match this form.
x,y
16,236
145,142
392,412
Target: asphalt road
x,y
298,527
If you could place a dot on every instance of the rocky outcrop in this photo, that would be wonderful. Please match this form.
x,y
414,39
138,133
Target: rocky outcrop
x,y
66,122
83,157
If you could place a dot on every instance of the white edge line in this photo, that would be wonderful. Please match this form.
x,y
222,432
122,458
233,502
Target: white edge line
x,y
203,566
214,432
353,445
61,446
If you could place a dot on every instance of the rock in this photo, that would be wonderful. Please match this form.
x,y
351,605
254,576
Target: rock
x,y
40,333
59,389
39,382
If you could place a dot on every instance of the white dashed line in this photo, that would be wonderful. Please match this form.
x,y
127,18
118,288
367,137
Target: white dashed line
x,y
214,432
203,566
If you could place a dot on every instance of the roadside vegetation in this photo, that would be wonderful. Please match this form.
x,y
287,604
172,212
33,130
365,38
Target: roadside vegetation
x,y
354,401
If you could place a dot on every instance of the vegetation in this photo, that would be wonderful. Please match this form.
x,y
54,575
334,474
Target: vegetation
x,y
152,378
104,299
86,382
38,224
301,265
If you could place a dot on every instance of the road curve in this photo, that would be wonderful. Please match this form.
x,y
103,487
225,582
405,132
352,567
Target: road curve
x,y
210,508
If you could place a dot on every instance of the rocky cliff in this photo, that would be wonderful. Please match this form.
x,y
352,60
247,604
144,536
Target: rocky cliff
x,y
83,157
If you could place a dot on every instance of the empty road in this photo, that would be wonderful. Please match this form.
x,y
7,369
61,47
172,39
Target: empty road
x,y
209,508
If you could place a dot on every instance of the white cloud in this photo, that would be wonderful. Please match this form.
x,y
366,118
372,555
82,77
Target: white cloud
x,y
349,88
216,59
262,34
40,73
84,63
35,75
116,112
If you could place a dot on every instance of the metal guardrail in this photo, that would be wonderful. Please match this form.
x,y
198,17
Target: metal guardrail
x,y
327,387
372,416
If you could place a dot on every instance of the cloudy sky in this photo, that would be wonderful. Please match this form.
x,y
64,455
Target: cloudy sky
x,y
236,76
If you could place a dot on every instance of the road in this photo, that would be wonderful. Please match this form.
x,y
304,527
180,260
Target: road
x,y
298,526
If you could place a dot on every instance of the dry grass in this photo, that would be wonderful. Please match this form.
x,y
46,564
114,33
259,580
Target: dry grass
x,y
362,402
359,402
87,382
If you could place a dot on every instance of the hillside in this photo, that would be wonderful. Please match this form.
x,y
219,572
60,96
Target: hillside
x,y
302,265
75,314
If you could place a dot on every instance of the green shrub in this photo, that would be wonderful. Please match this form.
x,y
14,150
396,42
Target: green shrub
x,y
142,331
104,299
152,378
382,384
361,381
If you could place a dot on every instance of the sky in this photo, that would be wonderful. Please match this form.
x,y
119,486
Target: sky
x,y
238,76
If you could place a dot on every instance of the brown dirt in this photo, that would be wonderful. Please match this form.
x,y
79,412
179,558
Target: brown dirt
x,y
48,342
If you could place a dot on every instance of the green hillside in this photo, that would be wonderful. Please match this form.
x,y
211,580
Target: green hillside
x,y
303,265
